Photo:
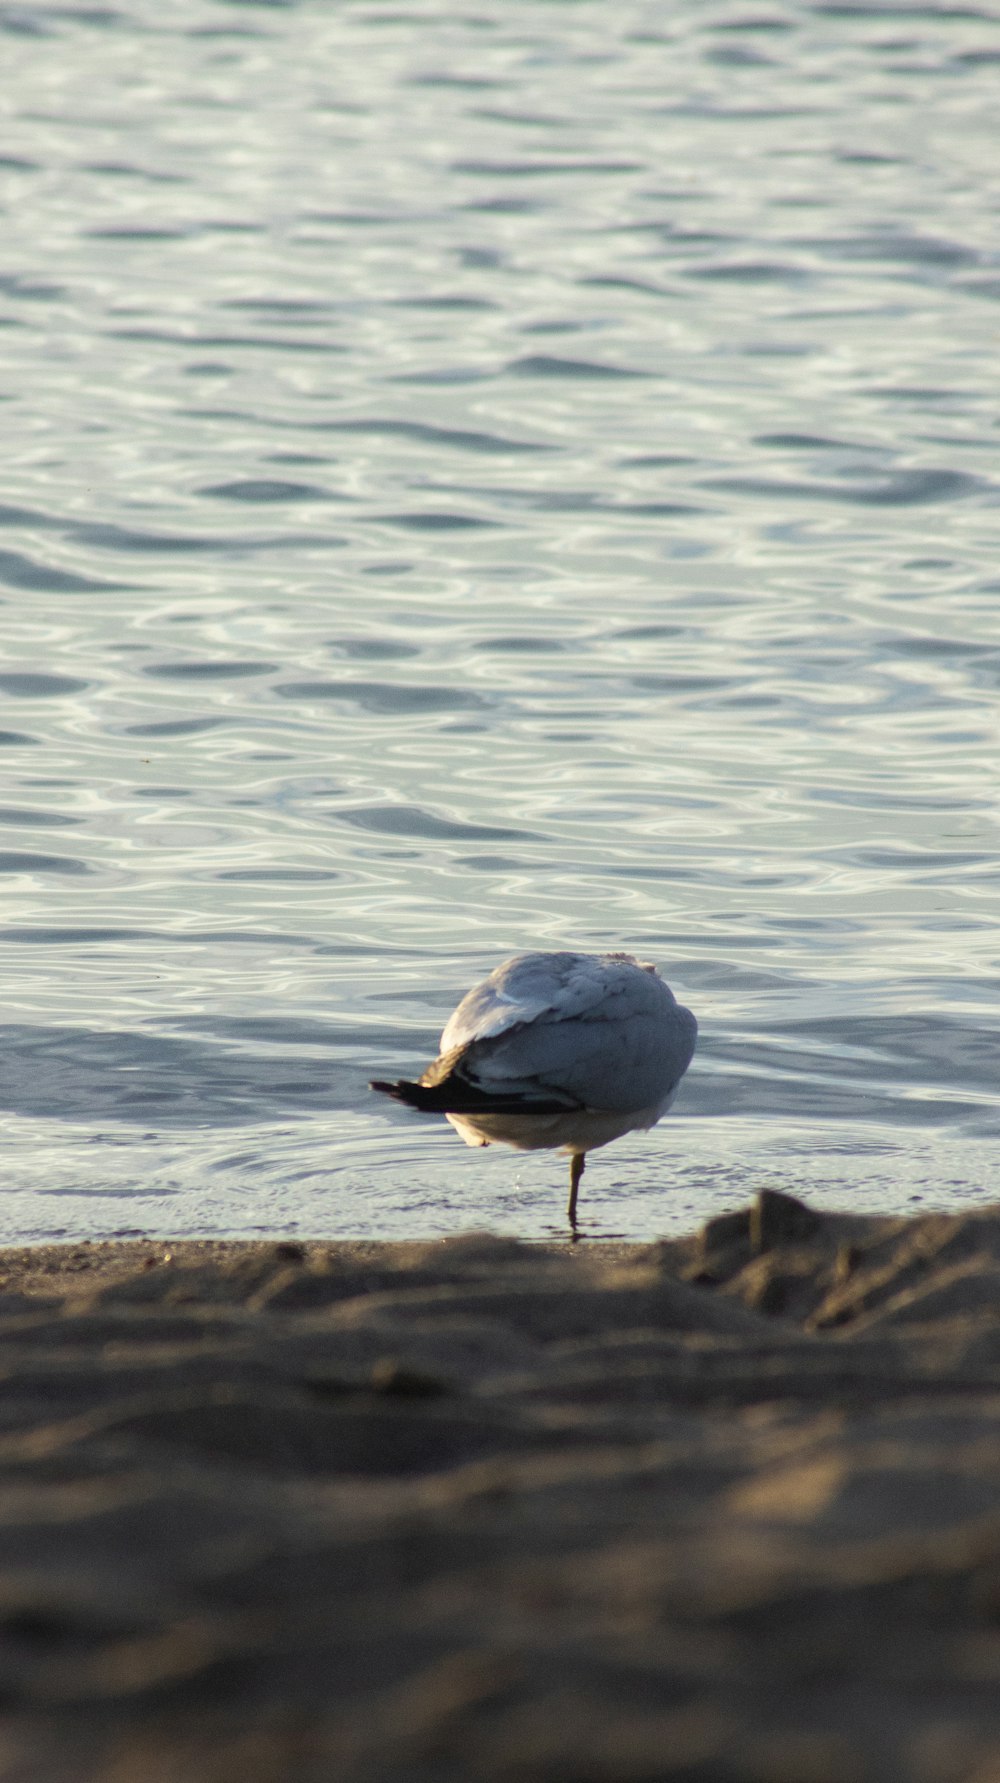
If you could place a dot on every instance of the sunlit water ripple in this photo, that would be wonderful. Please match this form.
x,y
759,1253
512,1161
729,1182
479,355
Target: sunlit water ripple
x,y
516,479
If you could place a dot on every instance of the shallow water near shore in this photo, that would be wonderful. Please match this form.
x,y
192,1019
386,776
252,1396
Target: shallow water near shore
x,y
523,478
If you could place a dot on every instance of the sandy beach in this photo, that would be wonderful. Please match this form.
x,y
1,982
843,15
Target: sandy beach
x,y
724,1509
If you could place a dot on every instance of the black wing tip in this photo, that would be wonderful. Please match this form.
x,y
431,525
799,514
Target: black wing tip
x,y
451,1097
413,1094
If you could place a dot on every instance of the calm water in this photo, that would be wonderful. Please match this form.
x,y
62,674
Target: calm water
x,y
513,477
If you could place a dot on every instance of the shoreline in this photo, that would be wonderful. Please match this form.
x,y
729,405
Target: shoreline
x,y
721,1509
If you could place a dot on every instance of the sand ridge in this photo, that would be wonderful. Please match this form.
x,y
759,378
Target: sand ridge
x,y
724,1509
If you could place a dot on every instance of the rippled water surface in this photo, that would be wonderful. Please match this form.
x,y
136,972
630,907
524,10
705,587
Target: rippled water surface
x,y
514,477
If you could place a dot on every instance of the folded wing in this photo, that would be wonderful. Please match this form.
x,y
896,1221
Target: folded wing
x,y
550,1032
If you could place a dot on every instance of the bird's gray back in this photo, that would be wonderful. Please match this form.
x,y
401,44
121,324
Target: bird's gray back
x,y
551,986
626,1051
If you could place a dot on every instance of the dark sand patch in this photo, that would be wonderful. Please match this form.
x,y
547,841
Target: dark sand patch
x,y
719,1510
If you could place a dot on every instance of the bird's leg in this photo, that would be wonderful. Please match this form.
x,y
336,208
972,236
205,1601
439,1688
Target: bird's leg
x,y
576,1163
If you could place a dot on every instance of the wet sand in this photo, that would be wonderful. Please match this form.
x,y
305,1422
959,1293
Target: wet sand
x,y
718,1510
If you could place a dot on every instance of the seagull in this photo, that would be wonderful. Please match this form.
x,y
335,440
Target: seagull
x,y
558,1049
